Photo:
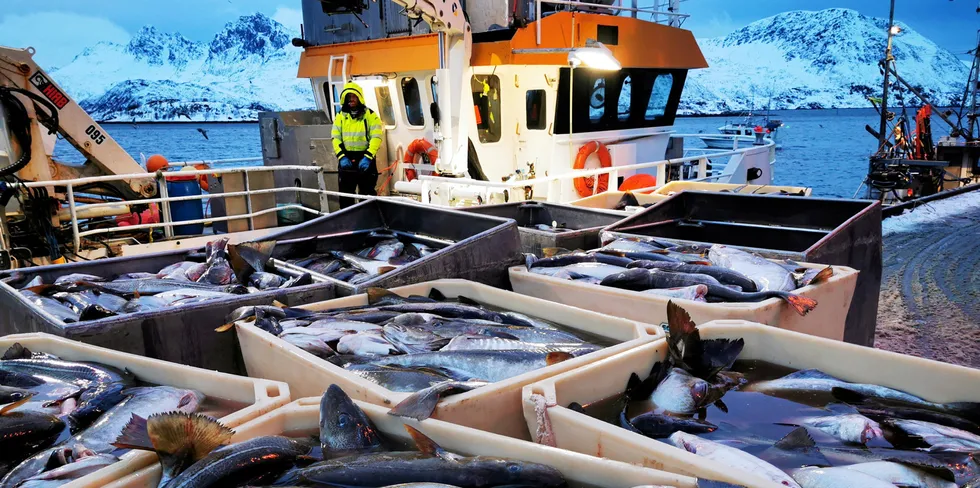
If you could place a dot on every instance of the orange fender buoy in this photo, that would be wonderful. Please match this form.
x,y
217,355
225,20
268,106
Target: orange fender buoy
x,y
419,149
584,185
202,179
638,181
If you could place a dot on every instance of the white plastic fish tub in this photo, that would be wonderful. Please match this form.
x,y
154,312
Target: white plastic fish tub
x,y
607,378
262,396
608,200
302,416
679,186
827,319
182,334
495,408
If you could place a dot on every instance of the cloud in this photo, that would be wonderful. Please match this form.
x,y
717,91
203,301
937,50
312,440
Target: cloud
x,y
290,18
57,36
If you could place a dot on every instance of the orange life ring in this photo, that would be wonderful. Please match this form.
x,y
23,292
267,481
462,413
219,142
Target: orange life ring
x,y
419,148
584,184
202,179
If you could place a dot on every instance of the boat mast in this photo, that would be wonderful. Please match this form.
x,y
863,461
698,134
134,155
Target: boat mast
x,y
885,63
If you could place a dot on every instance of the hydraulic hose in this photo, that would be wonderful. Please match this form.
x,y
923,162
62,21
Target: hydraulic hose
x,y
20,125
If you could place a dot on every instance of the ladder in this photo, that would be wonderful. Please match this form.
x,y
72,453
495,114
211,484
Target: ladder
x,y
336,85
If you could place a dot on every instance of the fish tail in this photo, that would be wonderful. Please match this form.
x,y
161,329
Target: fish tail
x,y
824,275
134,435
376,294
17,351
529,260
421,404
801,304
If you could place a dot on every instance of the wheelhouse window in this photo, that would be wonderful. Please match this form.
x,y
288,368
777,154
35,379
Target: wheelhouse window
x,y
630,98
413,102
385,110
333,95
537,119
486,105
435,90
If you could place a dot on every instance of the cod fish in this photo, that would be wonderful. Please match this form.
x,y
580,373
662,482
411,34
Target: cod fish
x,y
938,437
681,393
344,427
837,478
432,464
853,428
732,457
24,433
901,475
369,266
767,275
813,380
489,366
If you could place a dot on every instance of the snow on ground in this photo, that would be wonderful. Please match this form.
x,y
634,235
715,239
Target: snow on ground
x,y
930,212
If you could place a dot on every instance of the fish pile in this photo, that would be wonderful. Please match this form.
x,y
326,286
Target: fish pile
x,y
224,270
62,417
698,273
349,451
425,344
385,251
869,435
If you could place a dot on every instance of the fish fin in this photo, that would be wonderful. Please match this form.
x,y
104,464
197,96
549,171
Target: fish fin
x,y
721,405
225,328
421,404
824,275
719,354
549,252
134,435
385,269
428,446
468,301
277,303
498,334
190,434
797,439
556,357
576,407
375,295
801,304
682,335
632,385
136,294
11,406
851,397
16,351
437,295
941,467
43,289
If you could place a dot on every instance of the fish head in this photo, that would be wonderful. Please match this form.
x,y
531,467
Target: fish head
x,y
700,390
11,394
685,441
344,427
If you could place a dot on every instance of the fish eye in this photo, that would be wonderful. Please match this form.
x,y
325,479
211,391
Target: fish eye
x,y
343,419
513,468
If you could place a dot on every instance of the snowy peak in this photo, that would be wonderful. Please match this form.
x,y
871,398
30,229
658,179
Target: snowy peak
x,y
816,59
252,35
157,48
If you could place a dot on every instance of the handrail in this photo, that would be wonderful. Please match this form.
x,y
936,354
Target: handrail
x,y
671,17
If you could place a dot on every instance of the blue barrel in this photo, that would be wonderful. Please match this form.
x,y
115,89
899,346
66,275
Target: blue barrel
x,y
187,209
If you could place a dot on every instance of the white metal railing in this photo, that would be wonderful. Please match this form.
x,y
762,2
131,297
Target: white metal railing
x,y
671,18
165,200
554,181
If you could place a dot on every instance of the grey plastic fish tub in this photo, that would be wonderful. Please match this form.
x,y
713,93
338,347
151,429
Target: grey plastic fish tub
x,y
584,224
302,416
607,378
813,230
183,334
480,248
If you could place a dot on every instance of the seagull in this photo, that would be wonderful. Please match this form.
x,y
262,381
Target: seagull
x,y
203,133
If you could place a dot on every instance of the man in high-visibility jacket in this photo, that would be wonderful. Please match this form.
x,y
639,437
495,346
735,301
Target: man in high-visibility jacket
x,y
356,141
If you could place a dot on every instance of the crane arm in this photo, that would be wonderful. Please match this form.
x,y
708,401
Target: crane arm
x,y
19,73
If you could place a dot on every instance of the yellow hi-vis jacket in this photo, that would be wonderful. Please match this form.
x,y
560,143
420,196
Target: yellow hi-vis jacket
x,y
361,134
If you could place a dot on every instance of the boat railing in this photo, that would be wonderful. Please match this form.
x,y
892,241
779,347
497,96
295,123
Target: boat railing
x,y
555,189
655,11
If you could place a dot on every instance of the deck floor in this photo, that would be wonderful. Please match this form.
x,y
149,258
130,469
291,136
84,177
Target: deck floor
x,y
930,291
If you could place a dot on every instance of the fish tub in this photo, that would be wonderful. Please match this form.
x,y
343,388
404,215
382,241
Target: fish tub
x,y
609,200
495,408
678,186
256,397
578,227
469,246
183,334
302,416
607,378
825,320
813,230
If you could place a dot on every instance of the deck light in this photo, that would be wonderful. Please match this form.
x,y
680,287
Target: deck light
x,y
895,30
594,55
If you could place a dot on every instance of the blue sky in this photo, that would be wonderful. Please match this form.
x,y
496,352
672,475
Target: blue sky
x,y
59,29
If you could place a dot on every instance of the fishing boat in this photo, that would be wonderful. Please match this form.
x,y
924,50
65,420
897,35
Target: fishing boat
x,y
744,132
908,168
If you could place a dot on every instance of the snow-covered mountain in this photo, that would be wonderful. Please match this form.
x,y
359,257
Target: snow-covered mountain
x,y
246,68
822,59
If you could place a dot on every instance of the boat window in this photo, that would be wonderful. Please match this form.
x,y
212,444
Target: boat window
x,y
486,104
413,102
385,110
335,96
644,97
597,100
536,117
623,109
659,96
432,86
